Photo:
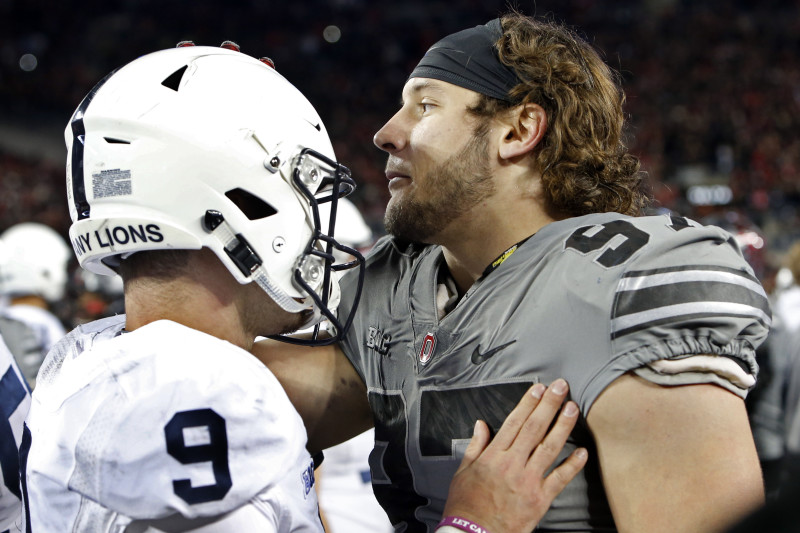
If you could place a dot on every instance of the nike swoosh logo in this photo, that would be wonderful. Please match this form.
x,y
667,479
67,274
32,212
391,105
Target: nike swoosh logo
x,y
478,357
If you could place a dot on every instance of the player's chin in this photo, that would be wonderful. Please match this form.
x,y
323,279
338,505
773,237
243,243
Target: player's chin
x,y
276,321
294,321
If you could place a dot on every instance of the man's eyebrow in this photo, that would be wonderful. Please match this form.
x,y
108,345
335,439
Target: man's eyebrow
x,y
417,87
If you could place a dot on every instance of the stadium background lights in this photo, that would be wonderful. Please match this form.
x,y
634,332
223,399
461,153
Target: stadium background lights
x,y
332,34
709,195
28,62
750,238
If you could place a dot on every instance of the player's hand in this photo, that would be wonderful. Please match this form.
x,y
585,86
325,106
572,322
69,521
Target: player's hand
x,y
501,485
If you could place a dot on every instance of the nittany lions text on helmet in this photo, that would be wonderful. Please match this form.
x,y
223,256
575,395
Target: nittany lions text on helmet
x,y
152,165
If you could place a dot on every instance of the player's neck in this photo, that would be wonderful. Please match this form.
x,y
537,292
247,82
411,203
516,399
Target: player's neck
x,y
204,300
215,324
479,244
513,212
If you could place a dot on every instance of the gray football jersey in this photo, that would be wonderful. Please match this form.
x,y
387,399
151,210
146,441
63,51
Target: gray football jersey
x,y
587,299
24,344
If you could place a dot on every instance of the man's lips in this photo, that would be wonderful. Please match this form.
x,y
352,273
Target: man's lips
x,y
397,179
392,174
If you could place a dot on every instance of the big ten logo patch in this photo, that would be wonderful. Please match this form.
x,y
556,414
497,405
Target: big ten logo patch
x,y
308,479
378,340
116,236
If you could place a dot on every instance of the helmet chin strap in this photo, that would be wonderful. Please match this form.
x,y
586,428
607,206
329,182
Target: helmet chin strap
x,y
286,302
249,263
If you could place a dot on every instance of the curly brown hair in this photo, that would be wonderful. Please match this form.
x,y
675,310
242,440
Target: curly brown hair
x,y
584,163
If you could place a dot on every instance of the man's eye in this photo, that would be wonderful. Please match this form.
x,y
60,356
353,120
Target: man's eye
x,y
426,107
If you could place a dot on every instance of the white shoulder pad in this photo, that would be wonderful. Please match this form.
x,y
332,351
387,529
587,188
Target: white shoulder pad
x,y
695,369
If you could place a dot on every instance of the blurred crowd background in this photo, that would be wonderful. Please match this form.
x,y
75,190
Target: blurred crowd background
x,y
713,87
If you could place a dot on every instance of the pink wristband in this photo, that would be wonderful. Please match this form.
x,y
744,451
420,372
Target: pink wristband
x,y
461,523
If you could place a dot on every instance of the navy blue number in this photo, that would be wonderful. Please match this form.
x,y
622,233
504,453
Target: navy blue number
x,y
634,240
393,483
24,448
12,392
215,452
445,416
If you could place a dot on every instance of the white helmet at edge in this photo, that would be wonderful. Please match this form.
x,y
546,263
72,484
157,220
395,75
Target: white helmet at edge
x,y
35,261
207,147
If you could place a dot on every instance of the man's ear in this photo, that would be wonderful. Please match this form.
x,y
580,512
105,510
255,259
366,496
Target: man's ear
x,y
523,127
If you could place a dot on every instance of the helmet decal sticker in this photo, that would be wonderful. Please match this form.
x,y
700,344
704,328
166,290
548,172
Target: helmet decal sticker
x,y
114,182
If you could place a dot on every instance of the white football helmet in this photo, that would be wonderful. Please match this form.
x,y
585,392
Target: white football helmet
x,y
34,263
207,147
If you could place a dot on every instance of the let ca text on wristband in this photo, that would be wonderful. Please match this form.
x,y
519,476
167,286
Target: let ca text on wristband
x,y
462,523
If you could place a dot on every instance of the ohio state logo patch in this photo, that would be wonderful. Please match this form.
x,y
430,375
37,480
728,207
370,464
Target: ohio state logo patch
x,y
428,345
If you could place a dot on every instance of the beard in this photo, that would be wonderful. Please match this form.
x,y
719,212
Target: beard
x,y
443,194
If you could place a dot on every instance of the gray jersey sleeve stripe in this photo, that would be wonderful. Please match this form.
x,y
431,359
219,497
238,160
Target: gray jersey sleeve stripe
x,y
659,296
683,313
686,268
643,281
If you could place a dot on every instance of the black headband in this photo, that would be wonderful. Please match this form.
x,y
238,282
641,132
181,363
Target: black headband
x,y
468,59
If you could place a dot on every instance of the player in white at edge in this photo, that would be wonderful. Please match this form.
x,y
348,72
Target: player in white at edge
x,y
15,399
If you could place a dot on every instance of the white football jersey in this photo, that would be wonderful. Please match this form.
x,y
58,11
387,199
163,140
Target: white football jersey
x,y
15,399
345,489
166,427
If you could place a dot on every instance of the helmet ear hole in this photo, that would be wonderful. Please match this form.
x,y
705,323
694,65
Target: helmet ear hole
x,y
111,140
253,207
